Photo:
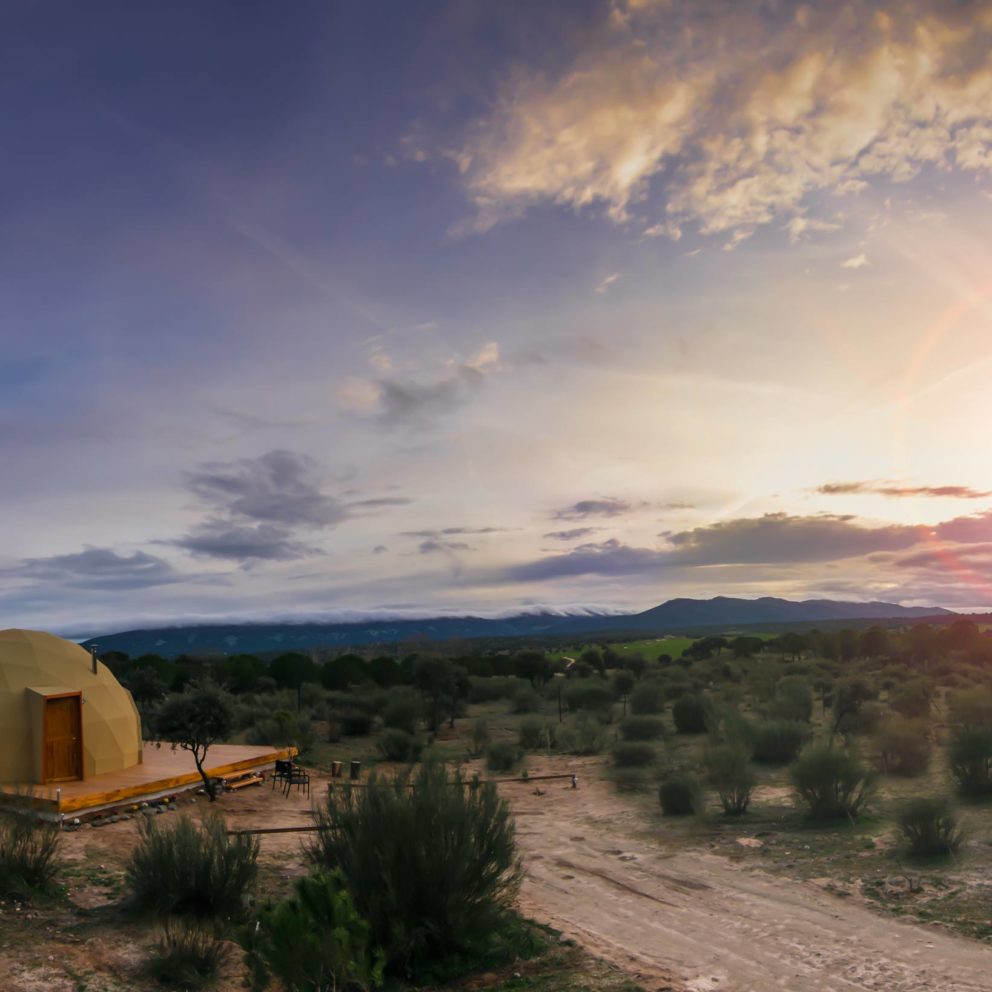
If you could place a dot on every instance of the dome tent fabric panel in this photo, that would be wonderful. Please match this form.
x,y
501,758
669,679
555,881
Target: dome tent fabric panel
x,y
45,664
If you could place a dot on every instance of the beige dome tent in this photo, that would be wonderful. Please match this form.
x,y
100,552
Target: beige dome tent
x,y
59,719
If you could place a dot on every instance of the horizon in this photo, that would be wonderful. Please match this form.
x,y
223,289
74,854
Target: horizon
x,y
472,309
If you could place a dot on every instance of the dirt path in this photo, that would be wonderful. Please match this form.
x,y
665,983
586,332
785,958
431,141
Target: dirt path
x,y
699,922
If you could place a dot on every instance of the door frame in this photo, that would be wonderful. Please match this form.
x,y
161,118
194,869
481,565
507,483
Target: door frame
x,y
46,776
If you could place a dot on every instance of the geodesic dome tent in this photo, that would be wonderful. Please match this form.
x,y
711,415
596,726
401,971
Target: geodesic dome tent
x,y
61,717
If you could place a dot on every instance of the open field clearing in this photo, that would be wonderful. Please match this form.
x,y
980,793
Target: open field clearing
x,y
696,919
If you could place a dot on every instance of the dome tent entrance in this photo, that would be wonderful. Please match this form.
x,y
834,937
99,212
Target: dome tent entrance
x,y
61,720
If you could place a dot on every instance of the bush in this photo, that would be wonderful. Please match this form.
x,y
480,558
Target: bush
x,y
689,714
592,695
527,700
729,773
29,852
930,827
831,782
433,869
793,700
399,745
402,713
501,756
903,746
777,742
583,735
633,754
355,723
282,729
647,698
642,728
673,691
479,738
189,869
911,699
312,941
537,734
186,958
495,688
970,759
679,795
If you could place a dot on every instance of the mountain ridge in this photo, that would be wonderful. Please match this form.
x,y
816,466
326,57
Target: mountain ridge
x,y
666,618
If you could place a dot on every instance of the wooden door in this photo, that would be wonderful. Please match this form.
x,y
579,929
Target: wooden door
x,y
63,739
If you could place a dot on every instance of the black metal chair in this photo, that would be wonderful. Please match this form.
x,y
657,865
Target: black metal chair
x,y
282,771
299,777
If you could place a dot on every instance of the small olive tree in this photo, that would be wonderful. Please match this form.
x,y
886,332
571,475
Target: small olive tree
x,y
195,720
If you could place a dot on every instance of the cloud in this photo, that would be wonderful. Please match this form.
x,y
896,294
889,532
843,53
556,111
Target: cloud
x,y
609,281
857,262
775,538
448,531
433,546
278,487
257,508
732,116
608,507
899,491
780,537
243,542
98,568
571,535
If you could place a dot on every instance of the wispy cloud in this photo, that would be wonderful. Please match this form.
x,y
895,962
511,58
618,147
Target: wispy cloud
x,y
855,262
740,115
897,490
98,568
606,507
605,284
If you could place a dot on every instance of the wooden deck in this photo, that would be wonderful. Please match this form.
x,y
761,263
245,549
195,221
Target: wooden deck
x,y
162,772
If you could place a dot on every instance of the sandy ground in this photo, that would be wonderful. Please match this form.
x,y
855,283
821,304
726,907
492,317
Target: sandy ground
x,y
689,921
696,921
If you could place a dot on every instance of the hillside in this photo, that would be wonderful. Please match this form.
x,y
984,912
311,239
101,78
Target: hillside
x,y
676,615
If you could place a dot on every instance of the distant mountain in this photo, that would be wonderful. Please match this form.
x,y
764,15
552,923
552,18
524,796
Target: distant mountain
x,y
677,615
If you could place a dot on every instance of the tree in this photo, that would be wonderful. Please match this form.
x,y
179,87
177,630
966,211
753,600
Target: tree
x,y
195,720
291,670
875,642
145,686
623,683
441,684
532,665
344,671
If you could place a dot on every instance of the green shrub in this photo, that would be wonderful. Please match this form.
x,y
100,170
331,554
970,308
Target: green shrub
x,y
314,940
527,700
495,688
777,742
930,827
592,695
282,729
402,713
970,759
903,746
831,782
633,754
673,691
679,795
971,708
501,756
647,698
537,734
190,869
793,700
29,851
479,738
689,714
642,728
433,869
582,735
186,957
911,699
730,774
356,723
399,745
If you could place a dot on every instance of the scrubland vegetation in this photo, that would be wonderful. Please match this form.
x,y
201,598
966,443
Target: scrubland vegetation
x,y
856,756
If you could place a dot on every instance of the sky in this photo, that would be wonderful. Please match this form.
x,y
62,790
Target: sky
x,y
333,309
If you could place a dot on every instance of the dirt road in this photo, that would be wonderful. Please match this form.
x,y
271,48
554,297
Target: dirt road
x,y
700,922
